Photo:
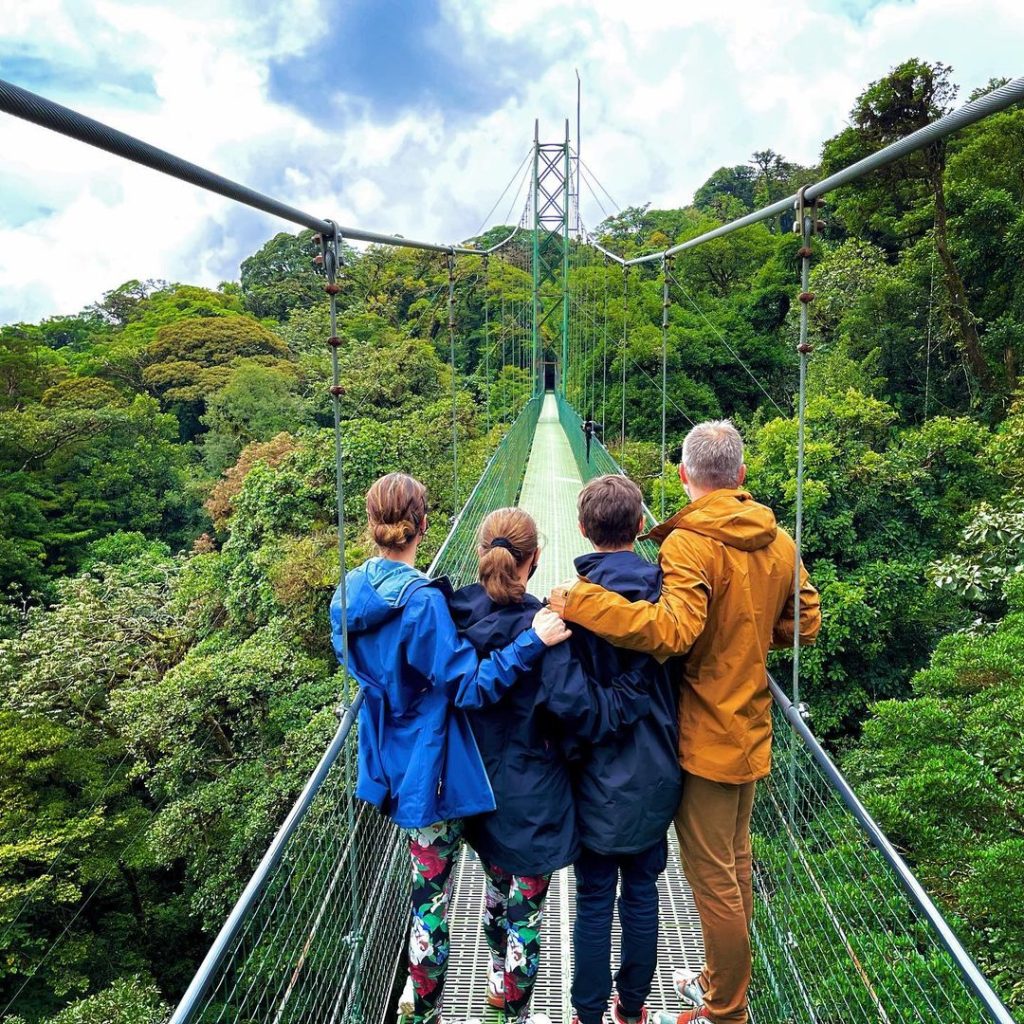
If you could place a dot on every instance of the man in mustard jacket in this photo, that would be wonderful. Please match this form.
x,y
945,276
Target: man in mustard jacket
x,y
727,599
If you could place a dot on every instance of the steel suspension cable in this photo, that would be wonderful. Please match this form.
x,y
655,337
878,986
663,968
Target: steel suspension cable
x,y
504,192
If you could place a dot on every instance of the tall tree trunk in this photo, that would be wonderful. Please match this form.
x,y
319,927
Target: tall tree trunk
x,y
959,311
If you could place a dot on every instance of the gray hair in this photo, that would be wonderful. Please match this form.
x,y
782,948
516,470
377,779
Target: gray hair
x,y
713,454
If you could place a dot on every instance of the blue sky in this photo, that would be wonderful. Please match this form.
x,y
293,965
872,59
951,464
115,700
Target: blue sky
x,y
409,116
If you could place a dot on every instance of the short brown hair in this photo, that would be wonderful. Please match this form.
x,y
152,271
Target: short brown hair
x,y
396,506
610,507
516,533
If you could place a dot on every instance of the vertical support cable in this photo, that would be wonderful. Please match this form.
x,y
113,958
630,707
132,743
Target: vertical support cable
x,y
591,352
664,377
330,252
487,345
504,339
455,394
536,245
928,350
807,222
804,349
625,318
604,351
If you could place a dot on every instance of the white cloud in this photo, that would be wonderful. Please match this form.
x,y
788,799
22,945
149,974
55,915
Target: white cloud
x,y
671,92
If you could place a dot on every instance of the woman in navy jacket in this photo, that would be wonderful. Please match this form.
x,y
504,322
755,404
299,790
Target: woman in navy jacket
x,y
418,759
525,737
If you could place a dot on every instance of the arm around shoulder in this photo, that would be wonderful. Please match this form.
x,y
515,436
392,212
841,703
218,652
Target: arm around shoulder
x,y
664,629
435,649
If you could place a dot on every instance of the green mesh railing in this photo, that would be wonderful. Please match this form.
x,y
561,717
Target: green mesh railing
x,y
599,463
842,930
498,487
317,933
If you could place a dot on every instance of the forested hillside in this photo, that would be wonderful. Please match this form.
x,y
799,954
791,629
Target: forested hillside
x,y
167,513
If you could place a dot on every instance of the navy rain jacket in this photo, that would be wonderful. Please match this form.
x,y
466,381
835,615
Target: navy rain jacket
x,y
523,736
628,787
418,760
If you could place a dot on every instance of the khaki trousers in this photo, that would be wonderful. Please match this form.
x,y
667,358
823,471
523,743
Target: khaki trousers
x,y
713,825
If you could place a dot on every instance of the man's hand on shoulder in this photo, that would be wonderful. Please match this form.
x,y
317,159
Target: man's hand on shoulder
x,y
559,596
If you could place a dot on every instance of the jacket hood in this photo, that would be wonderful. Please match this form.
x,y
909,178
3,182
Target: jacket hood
x,y
626,573
377,590
489,626
731,517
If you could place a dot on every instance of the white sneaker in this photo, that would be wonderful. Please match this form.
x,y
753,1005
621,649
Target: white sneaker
x,y
533,1018
687,986
496,988
407,1000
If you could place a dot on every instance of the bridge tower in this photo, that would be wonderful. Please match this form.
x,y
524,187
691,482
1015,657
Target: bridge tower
x,y
551,184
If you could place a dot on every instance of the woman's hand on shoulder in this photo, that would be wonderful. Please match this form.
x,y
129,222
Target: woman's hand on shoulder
x,y
550,628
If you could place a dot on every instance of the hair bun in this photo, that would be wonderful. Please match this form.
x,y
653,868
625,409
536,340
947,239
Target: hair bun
x,y
393,535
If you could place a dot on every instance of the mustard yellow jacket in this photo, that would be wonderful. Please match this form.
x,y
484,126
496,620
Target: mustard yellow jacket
x,y
727,600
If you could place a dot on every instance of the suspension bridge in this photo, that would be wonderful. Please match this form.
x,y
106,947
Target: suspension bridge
x,y
842,929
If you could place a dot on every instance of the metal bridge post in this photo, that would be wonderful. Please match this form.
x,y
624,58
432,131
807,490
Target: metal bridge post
x,y
550,242
565,260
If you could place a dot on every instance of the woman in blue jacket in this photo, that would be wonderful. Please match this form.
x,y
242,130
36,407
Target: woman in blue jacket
x,y
526,738
418,759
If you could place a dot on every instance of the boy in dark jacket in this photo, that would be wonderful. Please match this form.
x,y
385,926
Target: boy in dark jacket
x,y
628,787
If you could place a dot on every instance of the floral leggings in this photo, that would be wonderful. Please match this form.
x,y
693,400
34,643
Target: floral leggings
x,y
512,918
513,912
434,850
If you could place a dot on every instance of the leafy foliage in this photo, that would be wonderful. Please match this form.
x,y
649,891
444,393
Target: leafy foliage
x,y
167,517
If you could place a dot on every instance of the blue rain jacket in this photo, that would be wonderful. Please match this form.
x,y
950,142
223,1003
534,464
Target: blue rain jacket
x,y
528,736
418,759
628,787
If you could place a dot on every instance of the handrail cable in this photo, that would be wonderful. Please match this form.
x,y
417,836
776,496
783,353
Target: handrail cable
x,y
974,978
31,107
990,103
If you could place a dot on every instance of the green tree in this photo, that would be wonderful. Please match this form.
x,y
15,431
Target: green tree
x,y
282,276
190,359
256,403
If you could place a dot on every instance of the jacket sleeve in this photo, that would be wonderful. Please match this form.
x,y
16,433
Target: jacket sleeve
x,y
434,648
664,629
588,709
810,615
